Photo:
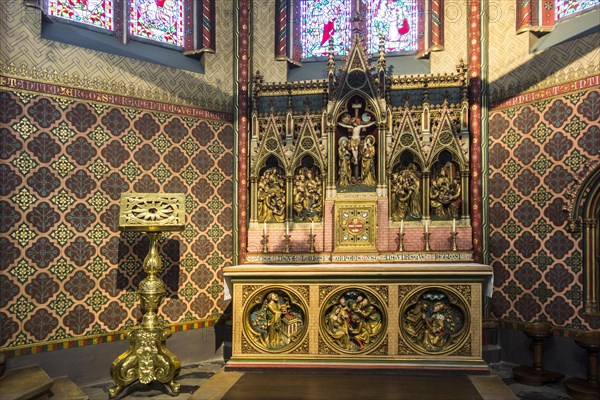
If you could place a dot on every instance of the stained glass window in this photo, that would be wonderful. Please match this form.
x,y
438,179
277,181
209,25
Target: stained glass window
x,y
396,20
320,20
93,12
160,20
564,8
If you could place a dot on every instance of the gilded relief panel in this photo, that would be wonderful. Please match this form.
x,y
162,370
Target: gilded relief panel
x,y
434,320
353,320
275,320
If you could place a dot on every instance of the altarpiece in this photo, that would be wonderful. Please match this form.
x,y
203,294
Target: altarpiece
x,y
359,244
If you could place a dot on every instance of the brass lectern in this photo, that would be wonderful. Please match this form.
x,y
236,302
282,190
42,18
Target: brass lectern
x,y
147,358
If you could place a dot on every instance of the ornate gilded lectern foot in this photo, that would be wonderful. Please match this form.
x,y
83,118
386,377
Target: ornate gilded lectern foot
x,y
147,358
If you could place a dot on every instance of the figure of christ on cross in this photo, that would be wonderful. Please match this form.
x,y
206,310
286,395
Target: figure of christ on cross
x,y
356,126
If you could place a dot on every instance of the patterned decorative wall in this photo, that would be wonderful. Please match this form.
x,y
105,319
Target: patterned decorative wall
x,y
514,69
66,270
263,43
538,143
455,38
21,46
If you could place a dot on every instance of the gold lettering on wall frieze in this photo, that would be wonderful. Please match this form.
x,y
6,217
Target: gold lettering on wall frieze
x,y
77,84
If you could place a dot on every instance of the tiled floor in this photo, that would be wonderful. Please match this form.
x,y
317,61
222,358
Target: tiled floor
x,y
192,377
554,391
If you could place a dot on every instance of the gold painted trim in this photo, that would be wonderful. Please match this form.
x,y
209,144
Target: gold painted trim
x,y
536,30
121,335
95,85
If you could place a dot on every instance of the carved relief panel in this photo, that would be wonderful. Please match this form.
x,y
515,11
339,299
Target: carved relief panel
x,y
353,320
434,320
275,320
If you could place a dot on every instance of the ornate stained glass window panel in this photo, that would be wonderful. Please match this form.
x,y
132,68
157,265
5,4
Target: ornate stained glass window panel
x,y
320,20
92,12
397,21
159,20
564,8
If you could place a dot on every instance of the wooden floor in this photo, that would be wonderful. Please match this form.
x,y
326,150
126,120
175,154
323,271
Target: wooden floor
x,y
338,386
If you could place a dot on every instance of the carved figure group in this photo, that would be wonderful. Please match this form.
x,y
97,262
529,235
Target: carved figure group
x,y
432,324
406,193
271,196
353,322
445,194
308,199
356,157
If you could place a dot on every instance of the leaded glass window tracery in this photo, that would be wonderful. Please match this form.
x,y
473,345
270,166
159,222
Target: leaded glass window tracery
x,y
397,20
159,20
565,8
98,13
321,20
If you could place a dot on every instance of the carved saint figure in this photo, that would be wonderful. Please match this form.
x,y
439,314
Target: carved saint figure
x,y
307,205
276,321
436,332
444,194
406,193
368,162
271,196
344,156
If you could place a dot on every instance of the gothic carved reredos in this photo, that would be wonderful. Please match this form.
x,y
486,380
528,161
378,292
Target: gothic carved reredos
x,y
362,130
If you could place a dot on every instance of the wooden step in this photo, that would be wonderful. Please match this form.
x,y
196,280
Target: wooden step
x,y
31,383
65,389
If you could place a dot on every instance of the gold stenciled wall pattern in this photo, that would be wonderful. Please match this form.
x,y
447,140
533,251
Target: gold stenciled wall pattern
x,y
67,272
514,69
21,46
263,43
